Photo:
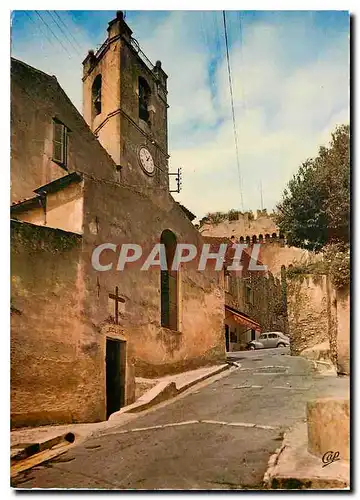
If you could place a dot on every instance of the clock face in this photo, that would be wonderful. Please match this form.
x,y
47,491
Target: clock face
x,y
146,161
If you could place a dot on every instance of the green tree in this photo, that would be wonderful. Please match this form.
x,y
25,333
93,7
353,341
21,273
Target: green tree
x,y
315,207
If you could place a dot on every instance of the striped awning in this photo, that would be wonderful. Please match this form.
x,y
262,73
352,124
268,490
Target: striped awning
x,y
242,319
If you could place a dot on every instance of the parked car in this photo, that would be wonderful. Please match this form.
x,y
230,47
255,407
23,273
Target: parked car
x,y
268,340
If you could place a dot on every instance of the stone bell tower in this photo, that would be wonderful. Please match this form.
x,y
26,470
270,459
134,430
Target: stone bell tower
x,y
125,105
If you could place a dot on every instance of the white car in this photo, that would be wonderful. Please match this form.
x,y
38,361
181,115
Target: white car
x,y
268,340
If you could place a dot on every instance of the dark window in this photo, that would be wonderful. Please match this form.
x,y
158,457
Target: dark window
x,y
169,288
60,143
144,99
96,96
233,337
273,336
118,173
249,295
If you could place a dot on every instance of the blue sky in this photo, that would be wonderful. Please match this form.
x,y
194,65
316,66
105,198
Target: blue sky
x,y
290,73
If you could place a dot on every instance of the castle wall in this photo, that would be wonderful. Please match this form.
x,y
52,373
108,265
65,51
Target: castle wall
x,y
263,225
273,252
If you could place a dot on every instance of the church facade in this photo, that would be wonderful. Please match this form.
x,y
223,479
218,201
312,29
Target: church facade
x,y
81,335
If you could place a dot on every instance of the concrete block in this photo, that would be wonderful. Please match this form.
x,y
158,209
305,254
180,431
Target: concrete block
x,y
328,424
292,467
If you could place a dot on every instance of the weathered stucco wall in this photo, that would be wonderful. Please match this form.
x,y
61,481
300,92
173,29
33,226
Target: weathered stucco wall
x,y
57,355
64,209
343,331
46,326
308,311
34,216
156,350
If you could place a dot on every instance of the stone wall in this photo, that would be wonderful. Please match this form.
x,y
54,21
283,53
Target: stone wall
x,y
319,319
307,311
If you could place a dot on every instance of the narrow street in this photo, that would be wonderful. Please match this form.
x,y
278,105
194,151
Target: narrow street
x,y
219,435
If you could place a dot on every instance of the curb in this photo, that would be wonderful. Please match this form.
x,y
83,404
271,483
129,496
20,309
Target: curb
x,y
234,363
163,391
204,377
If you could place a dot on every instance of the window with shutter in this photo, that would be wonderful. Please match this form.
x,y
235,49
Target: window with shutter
x,y
60,139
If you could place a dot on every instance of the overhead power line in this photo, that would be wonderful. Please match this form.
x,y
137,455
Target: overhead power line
x,y
62,31
51,31
37,27
233,111
62,22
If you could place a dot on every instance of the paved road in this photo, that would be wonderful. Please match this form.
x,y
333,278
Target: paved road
x,y
238,355
218,436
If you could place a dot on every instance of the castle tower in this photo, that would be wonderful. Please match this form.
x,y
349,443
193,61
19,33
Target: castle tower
x,y
125,105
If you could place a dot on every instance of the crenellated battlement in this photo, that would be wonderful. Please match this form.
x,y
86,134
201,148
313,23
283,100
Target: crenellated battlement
x,y
260,238
259,228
